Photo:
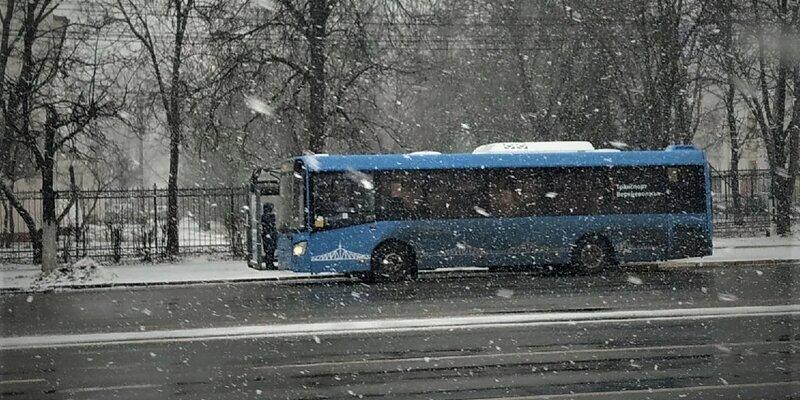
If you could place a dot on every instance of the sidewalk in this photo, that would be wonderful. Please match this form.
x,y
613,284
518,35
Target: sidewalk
x,y
87,274
751,249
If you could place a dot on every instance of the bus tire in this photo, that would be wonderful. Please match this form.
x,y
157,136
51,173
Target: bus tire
x,y
592,254
392,262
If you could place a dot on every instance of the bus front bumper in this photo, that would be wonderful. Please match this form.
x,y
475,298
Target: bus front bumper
x,y
286,256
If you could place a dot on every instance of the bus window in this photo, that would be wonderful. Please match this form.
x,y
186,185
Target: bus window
x,y
686,189
465,193
400,200
506,198
530,185
561,191
406,195
342,199
638,190
401,196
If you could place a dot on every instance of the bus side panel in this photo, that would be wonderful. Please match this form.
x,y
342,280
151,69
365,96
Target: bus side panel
x,y
283,252
436,243
690,236
550,240
530,241
636,238
339,250
485,242
533,240
443,242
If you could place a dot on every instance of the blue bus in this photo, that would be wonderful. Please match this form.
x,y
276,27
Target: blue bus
x,y
389,216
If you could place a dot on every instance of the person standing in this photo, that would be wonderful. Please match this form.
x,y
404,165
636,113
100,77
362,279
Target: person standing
x,y
269,233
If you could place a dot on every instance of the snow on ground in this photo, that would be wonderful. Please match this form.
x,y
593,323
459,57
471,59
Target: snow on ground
x,y
84,271
87,273
753,248
761,241
29,277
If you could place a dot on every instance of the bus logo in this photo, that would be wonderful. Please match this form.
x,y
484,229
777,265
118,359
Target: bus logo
x,y
340,254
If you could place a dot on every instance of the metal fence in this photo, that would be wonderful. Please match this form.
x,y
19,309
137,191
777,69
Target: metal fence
x,y
131,224
756,204
117,224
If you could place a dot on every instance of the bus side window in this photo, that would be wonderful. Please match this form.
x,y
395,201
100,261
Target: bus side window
x,y
403,195
530,188
505,194
594,196
474,193
558,195
686,186
341,200
440,197
393,196
638,190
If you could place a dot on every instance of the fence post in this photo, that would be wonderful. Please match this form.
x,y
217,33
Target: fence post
x,y
155,220
727,190
232,227
77,223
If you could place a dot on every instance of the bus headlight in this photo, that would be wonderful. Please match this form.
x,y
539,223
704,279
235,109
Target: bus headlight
x,y
299,248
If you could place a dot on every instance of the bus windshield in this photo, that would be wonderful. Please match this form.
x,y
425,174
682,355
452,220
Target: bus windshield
x,y
290,208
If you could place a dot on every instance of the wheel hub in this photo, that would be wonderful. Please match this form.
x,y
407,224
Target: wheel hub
x,y
592,256
392,262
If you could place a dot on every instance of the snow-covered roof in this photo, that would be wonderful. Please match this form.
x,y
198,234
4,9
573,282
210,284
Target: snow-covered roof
x,y
367,162
533,147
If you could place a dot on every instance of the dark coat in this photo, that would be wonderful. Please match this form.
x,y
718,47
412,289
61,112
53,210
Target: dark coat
x,y
268,228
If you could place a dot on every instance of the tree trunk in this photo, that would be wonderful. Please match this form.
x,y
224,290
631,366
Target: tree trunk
x,y
733,135
737,200
27,218
317,85
49,235
173,248
782,191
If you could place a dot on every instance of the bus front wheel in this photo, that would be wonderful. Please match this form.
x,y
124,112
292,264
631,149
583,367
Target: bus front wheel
x,y
592,254
393,261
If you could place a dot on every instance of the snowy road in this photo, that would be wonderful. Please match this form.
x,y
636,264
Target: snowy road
x,y
703,333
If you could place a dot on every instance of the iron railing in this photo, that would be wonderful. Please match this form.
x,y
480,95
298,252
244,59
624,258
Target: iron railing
x,y
117,224
756,208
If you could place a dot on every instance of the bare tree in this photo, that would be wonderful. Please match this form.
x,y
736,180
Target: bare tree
x,y
655,66
721,45
323,62
769,68
161,29
49,102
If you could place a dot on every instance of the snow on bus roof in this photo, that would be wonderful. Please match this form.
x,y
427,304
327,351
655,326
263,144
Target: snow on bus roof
x,y
366,162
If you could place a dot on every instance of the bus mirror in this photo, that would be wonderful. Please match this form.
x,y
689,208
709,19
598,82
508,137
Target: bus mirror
x,y
319,221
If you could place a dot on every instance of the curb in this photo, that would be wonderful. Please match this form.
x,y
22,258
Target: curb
x,y
719,264
461,273
754,246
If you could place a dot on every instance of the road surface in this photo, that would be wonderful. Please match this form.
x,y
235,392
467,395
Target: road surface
x,y
641,332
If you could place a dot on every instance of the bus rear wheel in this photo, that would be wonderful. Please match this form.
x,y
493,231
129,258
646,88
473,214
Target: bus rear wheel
x,y
392,262
592,255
